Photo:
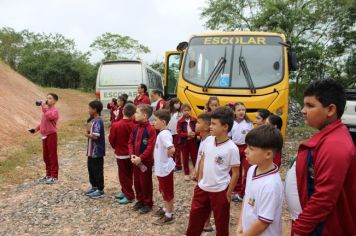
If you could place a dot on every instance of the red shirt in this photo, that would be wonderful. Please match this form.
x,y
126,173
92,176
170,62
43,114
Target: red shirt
x,y
142,141
120,114
49,120
160,104
333,200
119,136
142,100
112,109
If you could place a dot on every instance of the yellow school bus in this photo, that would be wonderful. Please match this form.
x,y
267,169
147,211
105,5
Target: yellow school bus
x,y
248,67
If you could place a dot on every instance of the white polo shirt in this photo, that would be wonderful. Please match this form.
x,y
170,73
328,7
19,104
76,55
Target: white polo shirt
x,y
163,164
291,193
239,131
200,153
218,160
172,125
263,200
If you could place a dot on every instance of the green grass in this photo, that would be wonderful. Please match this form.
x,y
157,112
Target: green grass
x,y
16,166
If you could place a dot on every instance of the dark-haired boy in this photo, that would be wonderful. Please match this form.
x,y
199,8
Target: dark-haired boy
x,y
213,191
96,151
48,130
261,212
164,166
141,145
119,138
325,167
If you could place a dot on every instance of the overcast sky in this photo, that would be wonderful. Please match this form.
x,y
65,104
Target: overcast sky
x,y
158,24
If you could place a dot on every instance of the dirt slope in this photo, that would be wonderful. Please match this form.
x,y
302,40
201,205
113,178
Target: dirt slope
x,y
17,97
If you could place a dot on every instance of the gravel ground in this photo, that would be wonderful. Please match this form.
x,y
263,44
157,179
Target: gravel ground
x,y
32,208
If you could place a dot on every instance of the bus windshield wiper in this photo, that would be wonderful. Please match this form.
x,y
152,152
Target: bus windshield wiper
x,y
246,72
214,74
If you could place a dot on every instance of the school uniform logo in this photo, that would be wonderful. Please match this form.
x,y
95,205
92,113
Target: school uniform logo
x,y
219,160
145,141
244,131
251,201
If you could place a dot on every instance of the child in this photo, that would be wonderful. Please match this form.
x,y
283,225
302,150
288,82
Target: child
x,y
113,107
261,116
261,212
164,166
213,103
213,191
203,127
325,167
119,137
121,102
48,130
142,95
188,141
96,151
141,145
276,122
158,102
174,108
242,125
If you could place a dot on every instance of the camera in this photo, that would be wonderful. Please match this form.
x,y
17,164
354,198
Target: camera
x,y
39,103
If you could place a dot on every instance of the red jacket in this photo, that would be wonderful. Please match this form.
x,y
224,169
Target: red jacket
x,y
333,202
142,141
182,128
119,136
120,114
142,100
160,104
112,108
49,120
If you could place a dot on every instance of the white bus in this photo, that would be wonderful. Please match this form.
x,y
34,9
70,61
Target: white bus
x,y
123,76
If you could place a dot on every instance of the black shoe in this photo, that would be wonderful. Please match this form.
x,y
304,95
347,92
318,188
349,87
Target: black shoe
x,y
145,210
137,206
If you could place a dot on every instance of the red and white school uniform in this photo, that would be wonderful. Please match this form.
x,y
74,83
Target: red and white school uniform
x,y
48,130
172,126
189,145
119,137
144,99
118,114
142,142
210,193
238,134
164,164
263,201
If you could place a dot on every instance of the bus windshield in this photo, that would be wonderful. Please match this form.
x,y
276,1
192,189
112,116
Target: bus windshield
x,y
262,56
114,74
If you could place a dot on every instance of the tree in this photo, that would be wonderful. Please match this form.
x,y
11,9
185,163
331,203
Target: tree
x,y
11,43
115,46
322,31
158,66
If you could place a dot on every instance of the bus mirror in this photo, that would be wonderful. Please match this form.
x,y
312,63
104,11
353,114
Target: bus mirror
x,y
182,46
292,60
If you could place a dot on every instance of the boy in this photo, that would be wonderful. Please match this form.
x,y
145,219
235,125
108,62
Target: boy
x,y
188,141
213,191
96,151
164,166
48,130
261,212
326,166
203,128
119,138
141,145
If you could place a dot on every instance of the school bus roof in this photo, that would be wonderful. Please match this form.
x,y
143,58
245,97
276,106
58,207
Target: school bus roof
x,y
234,33
121,61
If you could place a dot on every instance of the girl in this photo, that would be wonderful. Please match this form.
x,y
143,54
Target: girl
x,y
121,102
176,114
261,116
277,122
213,103
242,125
142,95
113,107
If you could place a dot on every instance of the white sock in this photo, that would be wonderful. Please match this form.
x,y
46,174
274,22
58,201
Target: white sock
x,y
164,209
169,215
